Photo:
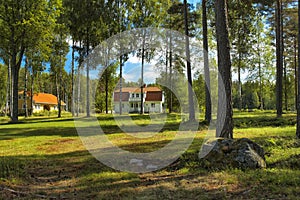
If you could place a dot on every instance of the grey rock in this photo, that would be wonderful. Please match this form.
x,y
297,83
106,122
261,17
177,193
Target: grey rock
x,y
227,153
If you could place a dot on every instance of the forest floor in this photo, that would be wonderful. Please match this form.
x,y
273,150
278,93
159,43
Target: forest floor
x,y
44,158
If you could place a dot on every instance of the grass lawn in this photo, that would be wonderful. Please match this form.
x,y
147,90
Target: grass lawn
x,y
44,158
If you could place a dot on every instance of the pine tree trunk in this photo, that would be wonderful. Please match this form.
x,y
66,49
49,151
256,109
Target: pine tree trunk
x,y
296,72
171,82
25,88
15,77
170,75
106,91
285,86
224,128
279,60
8,92
206,64
121,82
59,89
72,86
142,73
298,99
88,114
239,83
32,90
188,63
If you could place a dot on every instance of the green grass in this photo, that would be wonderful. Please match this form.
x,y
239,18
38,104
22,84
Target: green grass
x,y
44,158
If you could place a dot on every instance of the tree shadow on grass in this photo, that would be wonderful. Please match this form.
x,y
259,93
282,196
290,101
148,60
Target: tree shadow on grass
x,y
39,120
77,175
13,133
292,162
263,121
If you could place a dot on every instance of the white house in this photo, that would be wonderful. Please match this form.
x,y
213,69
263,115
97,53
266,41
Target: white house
x,y
153,100
41,102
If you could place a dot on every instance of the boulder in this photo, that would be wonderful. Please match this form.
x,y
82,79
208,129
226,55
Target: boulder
x,y
228,153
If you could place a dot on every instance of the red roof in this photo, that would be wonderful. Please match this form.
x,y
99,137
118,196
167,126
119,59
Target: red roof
x,y
154,96
44,98
125,96
138,89
152,93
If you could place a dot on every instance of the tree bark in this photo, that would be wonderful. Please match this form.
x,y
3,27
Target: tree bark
x,y
206,64
298,95
142,76
88,114
296,72
59,90
72,74
279,60
106,91
188,63
171,82
15,68
31,89
15,77
121,82
224,128
285,85
25,88
9,91
239,83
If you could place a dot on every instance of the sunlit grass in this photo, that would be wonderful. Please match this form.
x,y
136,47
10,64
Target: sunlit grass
x,y
44,156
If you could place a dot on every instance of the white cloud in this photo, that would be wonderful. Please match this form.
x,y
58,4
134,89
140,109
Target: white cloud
x,y
133,59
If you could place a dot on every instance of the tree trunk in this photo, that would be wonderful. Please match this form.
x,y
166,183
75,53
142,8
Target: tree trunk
x,y
142,73
206,64
31,90
171,82
58,86
224,128
9,91
188,63
88,114
15,78
239,83
285,85
25,88
72,75
298,99
106,91
296,72
279,60
260,73
260,85
170,75
121,82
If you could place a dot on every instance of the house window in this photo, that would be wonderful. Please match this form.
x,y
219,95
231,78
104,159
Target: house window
x,y
122,105
24,106
37,106
152,105
137,95
136,105
132,95
132,105
20,97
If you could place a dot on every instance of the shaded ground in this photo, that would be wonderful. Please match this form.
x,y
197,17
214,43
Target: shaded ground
x,y
45,159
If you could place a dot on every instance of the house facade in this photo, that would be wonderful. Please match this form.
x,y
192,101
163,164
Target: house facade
x,y
153,99
40,102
